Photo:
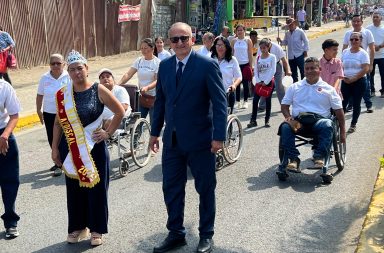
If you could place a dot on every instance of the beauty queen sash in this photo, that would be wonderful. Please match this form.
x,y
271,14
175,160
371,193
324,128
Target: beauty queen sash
x,y
79,163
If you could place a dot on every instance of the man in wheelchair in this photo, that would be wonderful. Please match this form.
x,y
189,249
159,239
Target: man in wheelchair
x,y
312,100
106,78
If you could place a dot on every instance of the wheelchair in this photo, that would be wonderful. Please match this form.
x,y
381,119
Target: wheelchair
x,y
337,150
233,145
132,138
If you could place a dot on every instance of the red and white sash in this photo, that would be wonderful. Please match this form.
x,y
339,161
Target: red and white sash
x,y
79,163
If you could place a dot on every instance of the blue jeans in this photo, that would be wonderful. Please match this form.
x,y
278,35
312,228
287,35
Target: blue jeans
x,y
9,182
379,62
323,129
297,62
367,92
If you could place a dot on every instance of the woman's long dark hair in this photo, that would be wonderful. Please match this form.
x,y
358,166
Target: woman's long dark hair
x,y
155,53
228,51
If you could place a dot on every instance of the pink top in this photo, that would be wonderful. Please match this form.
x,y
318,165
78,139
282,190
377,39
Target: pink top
x,y
331,70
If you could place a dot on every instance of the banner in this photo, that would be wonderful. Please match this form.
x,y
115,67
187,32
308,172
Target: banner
x,y
129,13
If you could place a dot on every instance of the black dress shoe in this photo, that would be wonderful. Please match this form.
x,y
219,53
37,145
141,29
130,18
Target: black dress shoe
x,y
205,246
170,244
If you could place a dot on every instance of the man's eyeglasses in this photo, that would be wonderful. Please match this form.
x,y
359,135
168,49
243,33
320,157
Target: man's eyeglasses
x,y
182,38
354,39
55,63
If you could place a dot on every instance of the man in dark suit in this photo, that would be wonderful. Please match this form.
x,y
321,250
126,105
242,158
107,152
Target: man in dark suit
x,y
191,99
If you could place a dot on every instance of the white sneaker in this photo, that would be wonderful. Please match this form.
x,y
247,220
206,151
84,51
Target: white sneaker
x,y
239,106
245,105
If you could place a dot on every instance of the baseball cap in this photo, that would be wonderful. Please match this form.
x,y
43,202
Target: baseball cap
x,y
105,70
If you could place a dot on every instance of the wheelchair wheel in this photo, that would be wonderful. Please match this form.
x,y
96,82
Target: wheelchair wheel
x,y
234,142
123,168
339,149
140,142
219,163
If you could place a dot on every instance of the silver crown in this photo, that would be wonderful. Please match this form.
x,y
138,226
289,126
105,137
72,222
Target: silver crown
x,y
75,57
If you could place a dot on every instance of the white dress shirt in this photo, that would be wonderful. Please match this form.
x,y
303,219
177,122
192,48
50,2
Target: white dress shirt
x,y
297,43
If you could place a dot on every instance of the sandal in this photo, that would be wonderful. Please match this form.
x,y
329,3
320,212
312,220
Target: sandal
x,y
78,235
96,239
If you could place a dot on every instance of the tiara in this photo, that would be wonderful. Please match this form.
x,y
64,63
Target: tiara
x,y
75,57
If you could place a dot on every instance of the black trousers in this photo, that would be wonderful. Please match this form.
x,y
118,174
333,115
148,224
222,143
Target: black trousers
x,y
5,76
49,120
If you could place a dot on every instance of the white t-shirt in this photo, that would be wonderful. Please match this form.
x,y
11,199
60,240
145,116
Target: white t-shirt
x,y
163,54
367,38
9,104
204,51
276,50
240,47
265,68
147,72
317,98
122,95
230,71
48,87
378,36
352,61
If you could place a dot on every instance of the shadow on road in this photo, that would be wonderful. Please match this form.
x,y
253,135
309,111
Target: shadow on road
x,y
41,179
301,182
147,244
65,247
310,237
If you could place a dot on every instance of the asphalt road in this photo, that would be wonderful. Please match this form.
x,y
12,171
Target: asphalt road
x,y
255,212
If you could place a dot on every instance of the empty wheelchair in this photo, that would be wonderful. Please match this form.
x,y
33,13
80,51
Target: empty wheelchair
x,y
337,150
233,145
132,140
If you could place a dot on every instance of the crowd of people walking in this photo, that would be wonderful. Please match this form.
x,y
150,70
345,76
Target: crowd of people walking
x,y
192,92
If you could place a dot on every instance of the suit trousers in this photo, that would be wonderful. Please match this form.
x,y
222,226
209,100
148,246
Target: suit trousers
x,y
202,165
9,182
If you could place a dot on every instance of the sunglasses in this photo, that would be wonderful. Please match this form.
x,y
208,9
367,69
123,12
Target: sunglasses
x,y
55,63
354,39
182,38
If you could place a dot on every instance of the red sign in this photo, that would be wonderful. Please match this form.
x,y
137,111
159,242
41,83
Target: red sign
x,y
129,13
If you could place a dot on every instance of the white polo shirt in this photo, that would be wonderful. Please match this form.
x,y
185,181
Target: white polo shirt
x,y
317,98
204,52
9,104
378,36
48,87
122,95
230,71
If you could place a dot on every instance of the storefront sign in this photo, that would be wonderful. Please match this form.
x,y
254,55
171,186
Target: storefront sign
x,y
255,22
129,13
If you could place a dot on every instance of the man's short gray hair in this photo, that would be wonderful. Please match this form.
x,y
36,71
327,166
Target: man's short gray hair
x,y
177,24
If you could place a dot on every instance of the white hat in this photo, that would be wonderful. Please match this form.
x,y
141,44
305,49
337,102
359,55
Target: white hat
x,y
105,70
75,57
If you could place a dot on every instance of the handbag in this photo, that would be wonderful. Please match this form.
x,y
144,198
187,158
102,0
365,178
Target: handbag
x,y
3,62
146,101
11,61
264,90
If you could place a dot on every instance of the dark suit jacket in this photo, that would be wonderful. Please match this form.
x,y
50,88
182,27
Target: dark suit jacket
x,y
196,110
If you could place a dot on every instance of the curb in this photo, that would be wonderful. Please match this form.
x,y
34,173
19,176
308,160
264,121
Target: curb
x,y
31,120
371,237
26,122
